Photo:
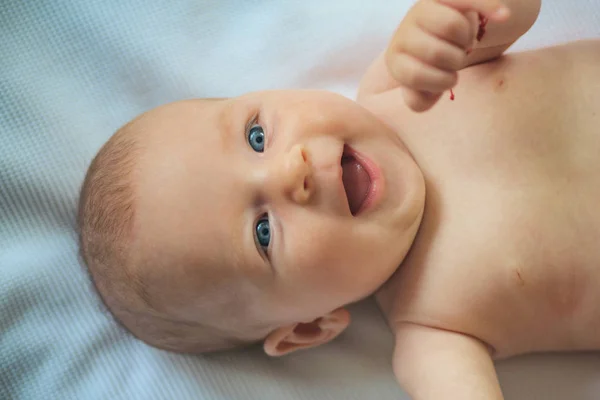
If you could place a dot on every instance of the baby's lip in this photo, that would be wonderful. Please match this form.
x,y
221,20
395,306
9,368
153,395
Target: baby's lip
x,y
356,180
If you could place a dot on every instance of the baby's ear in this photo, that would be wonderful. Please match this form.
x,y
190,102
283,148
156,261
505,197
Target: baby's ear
x,y
302,335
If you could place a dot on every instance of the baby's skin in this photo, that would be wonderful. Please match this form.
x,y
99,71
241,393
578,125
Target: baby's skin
x,y
506,260
472,216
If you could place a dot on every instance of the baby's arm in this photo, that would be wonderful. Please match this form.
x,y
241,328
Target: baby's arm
x,y
431,43
436,364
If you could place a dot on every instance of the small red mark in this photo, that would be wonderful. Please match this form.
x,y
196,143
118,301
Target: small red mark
x,y
482,23
500,85
451,95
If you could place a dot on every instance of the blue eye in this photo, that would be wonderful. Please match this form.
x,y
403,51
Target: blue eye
x,y
256,138
263,232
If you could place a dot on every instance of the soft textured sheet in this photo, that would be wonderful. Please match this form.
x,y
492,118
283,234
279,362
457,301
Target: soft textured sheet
x,y
71,72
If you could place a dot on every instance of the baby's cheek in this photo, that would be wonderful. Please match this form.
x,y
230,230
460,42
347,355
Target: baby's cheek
x,y
327,248
311,253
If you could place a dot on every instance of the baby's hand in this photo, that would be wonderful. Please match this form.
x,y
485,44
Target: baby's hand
x,y
431,45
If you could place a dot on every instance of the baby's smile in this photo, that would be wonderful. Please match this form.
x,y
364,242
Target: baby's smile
x,y
362,180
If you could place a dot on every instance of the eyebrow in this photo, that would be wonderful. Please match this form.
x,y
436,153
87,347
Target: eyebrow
x,y
226,127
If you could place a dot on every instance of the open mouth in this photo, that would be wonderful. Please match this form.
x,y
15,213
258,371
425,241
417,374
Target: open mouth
x,y
357,180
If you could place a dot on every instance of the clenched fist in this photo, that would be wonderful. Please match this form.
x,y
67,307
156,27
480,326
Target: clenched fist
x,y
431,45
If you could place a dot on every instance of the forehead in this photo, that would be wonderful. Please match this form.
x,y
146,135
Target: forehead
x,y
186,210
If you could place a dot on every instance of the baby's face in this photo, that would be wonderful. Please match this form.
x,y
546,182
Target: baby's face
x,y
306,195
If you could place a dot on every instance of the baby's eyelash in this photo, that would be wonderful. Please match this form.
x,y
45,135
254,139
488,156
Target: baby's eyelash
x,y
251,122
262,234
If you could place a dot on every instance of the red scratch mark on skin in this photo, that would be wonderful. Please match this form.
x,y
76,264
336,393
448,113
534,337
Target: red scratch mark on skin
x,y
500,85
480,32
482,23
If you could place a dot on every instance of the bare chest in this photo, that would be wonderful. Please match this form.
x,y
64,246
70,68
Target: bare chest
x,y
509,247
521,274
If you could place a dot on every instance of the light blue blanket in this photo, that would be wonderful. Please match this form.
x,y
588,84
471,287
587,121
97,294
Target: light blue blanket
x,y
71,72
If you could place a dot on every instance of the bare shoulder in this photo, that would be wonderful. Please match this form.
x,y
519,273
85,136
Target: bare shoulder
x,y
573,65
587,48
545,92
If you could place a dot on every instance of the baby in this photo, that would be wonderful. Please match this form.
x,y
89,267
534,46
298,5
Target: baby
x,y
214,223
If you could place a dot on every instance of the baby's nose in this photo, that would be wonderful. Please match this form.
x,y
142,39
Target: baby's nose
x,y
295,175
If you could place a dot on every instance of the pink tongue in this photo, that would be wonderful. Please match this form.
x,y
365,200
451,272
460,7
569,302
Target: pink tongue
x,y
356,182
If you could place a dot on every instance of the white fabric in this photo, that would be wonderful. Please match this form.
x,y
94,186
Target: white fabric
x,y
71,72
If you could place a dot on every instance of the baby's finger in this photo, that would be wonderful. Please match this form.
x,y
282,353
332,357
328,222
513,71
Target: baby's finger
x,y
414,74
494,10
447,24
433,51
473,18
420,101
